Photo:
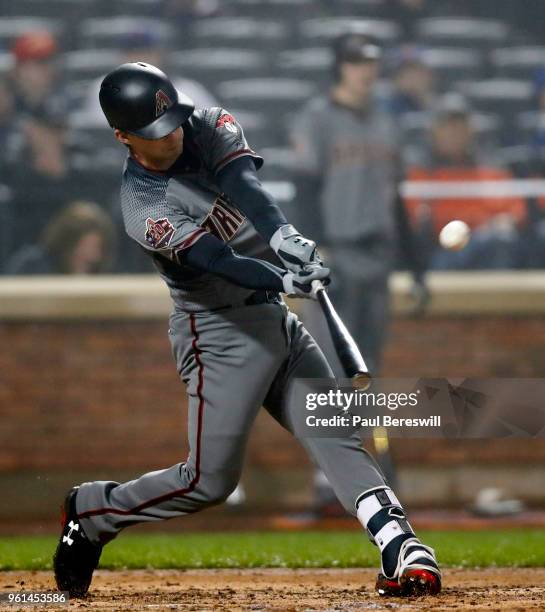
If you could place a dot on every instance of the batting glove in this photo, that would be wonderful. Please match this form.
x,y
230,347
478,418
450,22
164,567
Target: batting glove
x,y
295,251
299,284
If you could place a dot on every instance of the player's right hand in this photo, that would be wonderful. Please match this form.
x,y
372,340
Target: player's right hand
x,y
299,284
295,251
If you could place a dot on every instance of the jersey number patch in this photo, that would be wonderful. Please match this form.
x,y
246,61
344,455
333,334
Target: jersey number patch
x,y
223,221
159,233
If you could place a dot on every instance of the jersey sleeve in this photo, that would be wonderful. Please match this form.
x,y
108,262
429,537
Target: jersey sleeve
x,y
225,141
156,220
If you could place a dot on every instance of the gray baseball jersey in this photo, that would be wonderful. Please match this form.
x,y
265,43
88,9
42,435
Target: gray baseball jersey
x,y
354,154
167,212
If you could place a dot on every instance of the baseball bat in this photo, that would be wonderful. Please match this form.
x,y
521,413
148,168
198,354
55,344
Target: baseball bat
x,y
347,350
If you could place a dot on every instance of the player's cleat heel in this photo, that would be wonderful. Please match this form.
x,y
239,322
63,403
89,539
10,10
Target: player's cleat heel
x,y
76,557
387,587
418,582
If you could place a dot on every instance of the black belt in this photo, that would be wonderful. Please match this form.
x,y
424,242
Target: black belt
x,y
262,296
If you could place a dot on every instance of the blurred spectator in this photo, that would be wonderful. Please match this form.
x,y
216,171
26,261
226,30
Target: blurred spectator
x,y
8,138
346,149
7,128
35,76
40,171
413,84
79,240
453,155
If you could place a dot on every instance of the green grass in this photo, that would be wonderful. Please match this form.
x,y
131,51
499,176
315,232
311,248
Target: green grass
x,y
515,548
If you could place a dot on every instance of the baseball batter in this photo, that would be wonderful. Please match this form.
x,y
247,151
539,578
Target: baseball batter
x,y
191,198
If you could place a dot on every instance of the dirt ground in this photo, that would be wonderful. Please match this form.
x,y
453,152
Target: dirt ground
x,y
280,589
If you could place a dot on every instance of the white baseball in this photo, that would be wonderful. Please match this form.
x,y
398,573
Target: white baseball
x,y
454,236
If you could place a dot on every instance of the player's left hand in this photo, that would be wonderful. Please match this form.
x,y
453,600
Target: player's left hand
x,y
294,250
299,284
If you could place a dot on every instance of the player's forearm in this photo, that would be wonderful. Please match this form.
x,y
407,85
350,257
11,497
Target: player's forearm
x,y
240,182
211,255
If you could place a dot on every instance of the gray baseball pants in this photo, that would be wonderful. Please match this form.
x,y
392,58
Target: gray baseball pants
x,y
233,362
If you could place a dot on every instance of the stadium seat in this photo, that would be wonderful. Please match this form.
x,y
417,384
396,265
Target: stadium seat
x,y
290,9
274,98
82,65
141,8
209,65
102,33
241,32
279,164
314,31
463,31
259,131
277,94
64,9
365,8
454,64
502,96
313,63
518,62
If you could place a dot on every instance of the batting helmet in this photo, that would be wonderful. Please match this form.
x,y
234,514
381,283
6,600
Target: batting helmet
x,y
140,99
352,47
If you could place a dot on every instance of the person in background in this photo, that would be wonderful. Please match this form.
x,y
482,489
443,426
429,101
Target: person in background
x,y
346,151
413,82
7,116
453,154
8,138
79,240
40,171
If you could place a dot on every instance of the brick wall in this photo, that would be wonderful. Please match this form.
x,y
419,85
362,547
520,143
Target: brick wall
x,y
91,397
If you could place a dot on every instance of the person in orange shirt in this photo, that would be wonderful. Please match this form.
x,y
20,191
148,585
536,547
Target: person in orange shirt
x,y
453,156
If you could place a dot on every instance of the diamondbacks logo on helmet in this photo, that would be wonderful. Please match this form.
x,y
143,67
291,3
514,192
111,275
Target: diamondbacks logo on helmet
x,y
159,233
162,102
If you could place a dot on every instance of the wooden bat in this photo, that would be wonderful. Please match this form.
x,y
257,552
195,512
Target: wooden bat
x,y
347,350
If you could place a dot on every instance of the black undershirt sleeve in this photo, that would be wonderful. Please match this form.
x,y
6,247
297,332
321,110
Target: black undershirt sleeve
x,y
239,181
212,255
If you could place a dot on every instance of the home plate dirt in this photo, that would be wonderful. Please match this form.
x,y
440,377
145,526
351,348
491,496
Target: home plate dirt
x,y
282,589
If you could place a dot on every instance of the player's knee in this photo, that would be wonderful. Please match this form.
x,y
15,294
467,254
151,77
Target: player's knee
x,y
217,490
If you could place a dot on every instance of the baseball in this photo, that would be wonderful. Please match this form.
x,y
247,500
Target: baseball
x,y
455,235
